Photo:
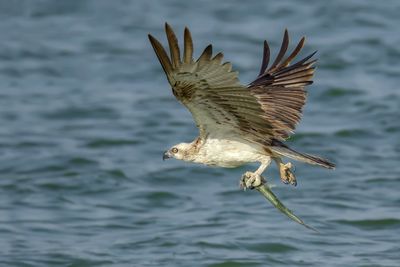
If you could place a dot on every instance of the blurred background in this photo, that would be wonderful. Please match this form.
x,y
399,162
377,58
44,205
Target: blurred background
x,y
86,112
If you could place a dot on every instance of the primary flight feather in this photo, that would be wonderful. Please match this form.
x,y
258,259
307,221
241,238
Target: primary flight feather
x,y
239,124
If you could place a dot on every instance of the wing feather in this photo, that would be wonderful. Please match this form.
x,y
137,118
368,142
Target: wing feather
x,y
282,51
173,46
161,55
265,59
218,58
206,55
188,47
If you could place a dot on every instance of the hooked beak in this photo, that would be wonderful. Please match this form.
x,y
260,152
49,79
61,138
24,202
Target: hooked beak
x,y
166,155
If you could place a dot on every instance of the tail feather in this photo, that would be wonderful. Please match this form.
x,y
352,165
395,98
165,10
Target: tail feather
x,y
283,150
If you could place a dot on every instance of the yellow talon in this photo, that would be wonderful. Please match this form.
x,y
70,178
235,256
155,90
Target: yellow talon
x,y
287,175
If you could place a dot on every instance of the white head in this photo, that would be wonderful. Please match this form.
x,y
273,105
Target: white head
x,y
180,151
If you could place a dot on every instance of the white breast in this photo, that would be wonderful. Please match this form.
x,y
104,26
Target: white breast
x,y
229,153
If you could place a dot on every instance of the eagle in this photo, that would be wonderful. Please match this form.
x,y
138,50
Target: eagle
x,y
239,124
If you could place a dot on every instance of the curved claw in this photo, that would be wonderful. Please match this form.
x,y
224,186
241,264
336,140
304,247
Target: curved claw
x,y
287,175
251,181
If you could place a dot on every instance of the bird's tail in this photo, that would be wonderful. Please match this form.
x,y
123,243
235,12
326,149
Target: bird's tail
x,y
283,150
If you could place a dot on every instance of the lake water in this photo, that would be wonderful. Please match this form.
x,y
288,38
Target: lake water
x,y
86,113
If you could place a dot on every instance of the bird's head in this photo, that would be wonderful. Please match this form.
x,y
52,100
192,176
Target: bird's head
x,y
179,151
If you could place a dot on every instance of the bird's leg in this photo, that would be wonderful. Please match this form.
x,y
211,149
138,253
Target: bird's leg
x,y
252,180
287,175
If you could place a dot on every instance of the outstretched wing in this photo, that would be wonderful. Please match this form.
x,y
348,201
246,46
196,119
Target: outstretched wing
x,y
218,102
280,89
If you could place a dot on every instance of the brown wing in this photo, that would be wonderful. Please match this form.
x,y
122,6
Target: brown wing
x,y
280,89
219,104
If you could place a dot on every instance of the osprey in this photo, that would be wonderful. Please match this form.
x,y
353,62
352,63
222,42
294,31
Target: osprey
x,y
239,124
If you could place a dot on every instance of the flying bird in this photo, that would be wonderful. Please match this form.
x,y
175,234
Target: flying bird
x,y
239,124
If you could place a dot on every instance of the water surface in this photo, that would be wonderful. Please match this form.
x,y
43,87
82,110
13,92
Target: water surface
x,y
86,112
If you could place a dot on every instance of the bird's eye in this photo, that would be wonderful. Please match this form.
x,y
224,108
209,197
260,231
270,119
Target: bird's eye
x,y
174,150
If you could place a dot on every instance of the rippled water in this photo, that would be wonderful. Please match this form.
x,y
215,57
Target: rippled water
x,y
85,113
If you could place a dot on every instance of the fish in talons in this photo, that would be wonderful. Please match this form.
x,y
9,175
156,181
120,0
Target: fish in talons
x,y
248,181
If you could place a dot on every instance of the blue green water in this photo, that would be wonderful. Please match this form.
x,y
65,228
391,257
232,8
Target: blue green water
x,y
86,112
